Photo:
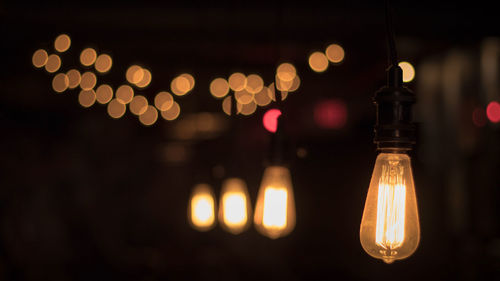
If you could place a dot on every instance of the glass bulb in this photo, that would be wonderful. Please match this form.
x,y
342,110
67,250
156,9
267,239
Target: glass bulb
x,y
275,208
390,227
201,210
234,206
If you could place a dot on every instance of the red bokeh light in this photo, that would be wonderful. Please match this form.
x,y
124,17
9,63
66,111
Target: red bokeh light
x,y
270,119
330,114
493,111
479,117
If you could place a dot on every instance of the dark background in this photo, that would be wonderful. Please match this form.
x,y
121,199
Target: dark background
x,y
87,197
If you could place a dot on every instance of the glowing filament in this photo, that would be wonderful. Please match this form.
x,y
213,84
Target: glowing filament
x,y
275,204
235,209
202,210
391,206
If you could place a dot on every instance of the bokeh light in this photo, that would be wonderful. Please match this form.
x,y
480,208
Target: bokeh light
x,y
283,85
335,53
146,79
254,83
226,105
53,63
124,94
104,94
88,81
286,71
103,63
237,81
163,101
62,43
39,58
74,78
493,111
479,117
86,98
270,119
134,74
190,79
247,109
116,109
172,113
243,97
318,62
330,114
138,105
219,87
88,57
262,98
180,86
60,82
149,116
271,94
408,71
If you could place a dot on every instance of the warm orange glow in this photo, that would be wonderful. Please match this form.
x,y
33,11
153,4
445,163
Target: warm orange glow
x,y
234,206
318,62
138,105
134,74
247,109
390,228
149,116
254,83
243,97
172,113
408,71
271,93
284,85
86,98
237,81
180,86
88,80
262,98
295,84
164,101
74,78
286,72
335,53
116,109
103,63
60,82
190,79
146,79
226,105
104,94
275,208
62,43
201,211
219,87
124,94
88,57
39,58
53,63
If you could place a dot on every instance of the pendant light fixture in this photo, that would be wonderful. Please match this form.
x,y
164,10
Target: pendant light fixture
x,y
234,204
275,207
390,228
201,209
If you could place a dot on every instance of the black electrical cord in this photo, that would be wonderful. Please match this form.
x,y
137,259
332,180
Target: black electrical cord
x,y
391,42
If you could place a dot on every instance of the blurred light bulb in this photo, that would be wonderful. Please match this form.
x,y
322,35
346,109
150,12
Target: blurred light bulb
x,y
275,208
234,206
390,227
201,211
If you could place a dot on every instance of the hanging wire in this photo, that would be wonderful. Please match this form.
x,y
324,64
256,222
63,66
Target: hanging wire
x,y
391,42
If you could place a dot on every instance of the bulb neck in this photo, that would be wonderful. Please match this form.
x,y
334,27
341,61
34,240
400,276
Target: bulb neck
x,y
393,103
395,150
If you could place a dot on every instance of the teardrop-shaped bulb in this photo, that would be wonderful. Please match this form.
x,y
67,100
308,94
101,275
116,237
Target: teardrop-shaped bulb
x,y
234,206
390,228
275,208
201,210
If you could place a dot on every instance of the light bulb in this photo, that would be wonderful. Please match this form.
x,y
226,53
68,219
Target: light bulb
x,y
201,210
234,206
390,228
275,208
